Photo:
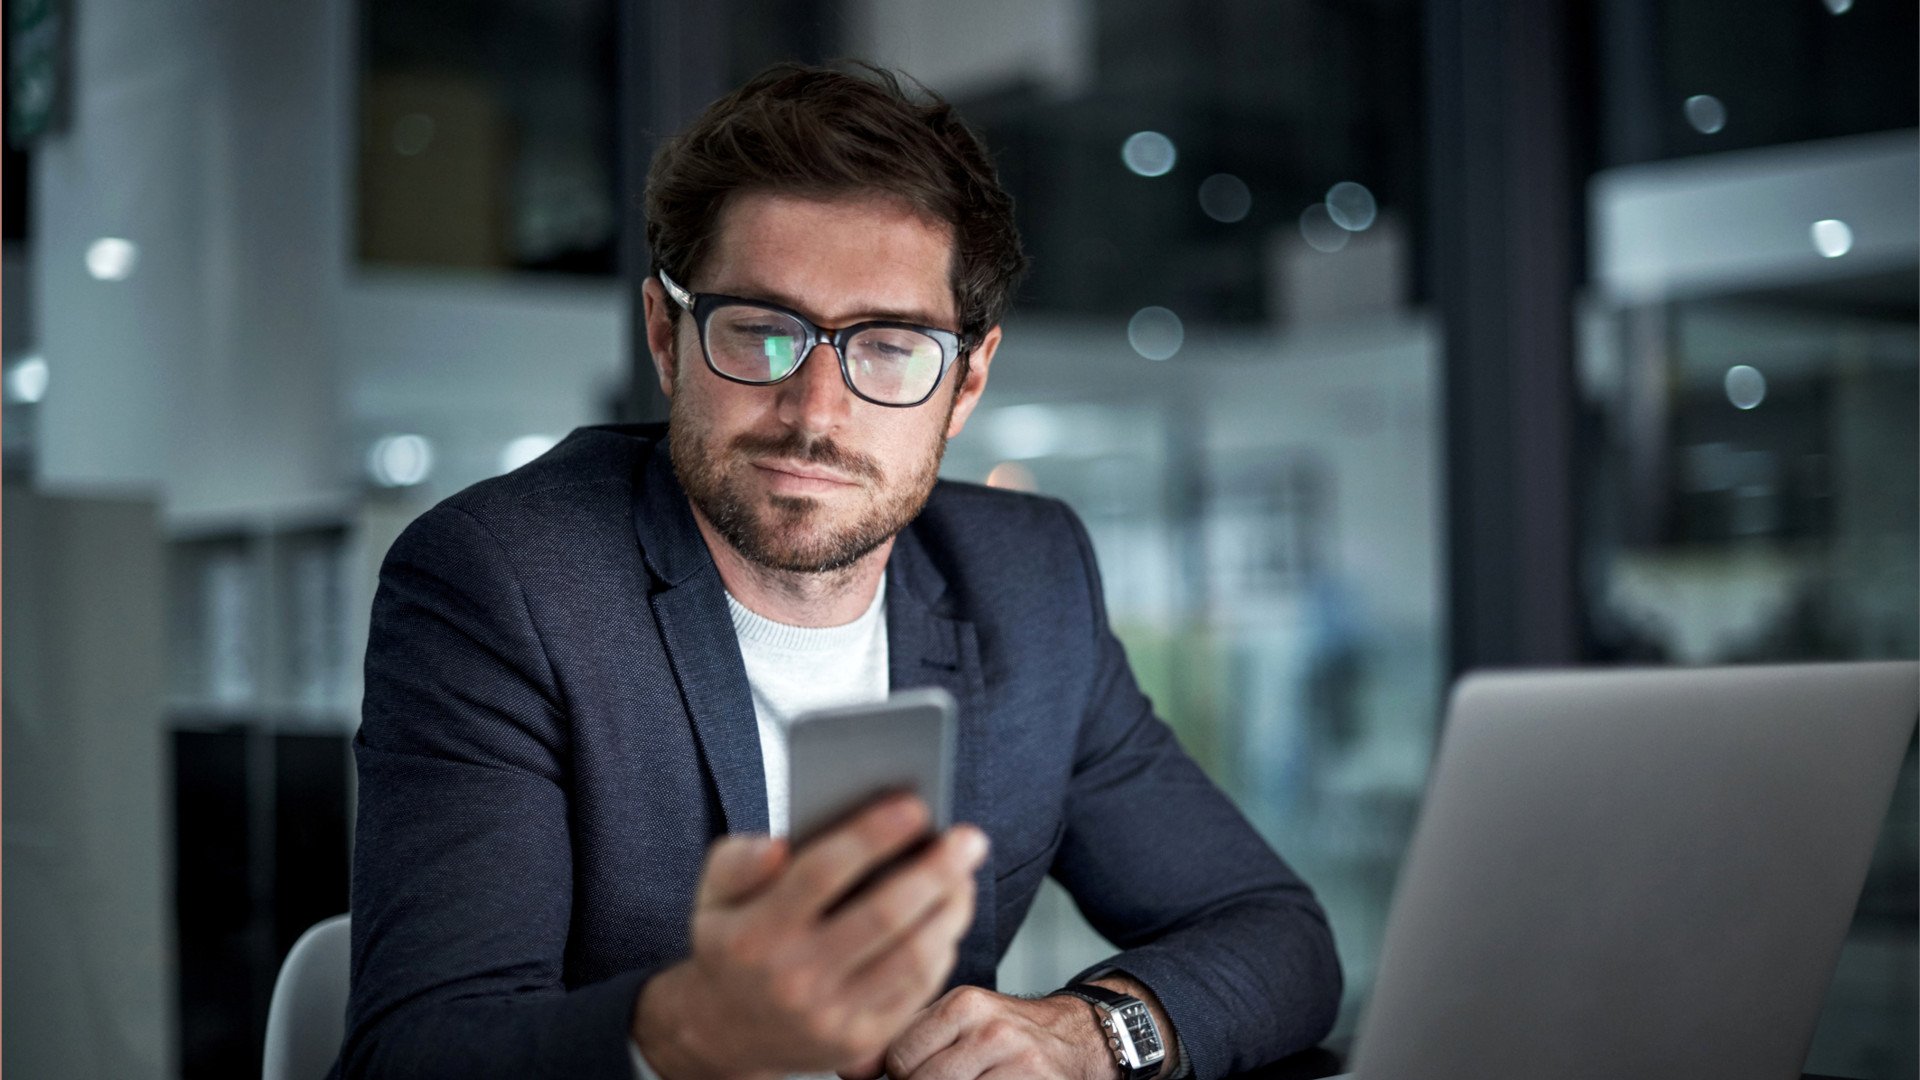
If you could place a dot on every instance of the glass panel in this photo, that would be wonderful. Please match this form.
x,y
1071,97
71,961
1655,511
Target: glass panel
x,y
1266,516
1749,364
1755,501
487,135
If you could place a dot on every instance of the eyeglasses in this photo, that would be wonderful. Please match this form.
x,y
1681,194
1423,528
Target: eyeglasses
x,y
752,341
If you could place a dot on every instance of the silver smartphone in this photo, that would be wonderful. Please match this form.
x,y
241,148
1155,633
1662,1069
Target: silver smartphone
x,y
841,759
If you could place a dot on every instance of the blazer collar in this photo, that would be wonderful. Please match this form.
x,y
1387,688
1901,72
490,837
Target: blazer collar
x,y
670,541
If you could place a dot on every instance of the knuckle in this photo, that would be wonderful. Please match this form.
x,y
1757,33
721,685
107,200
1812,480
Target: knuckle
x,y
966,1001
945,1007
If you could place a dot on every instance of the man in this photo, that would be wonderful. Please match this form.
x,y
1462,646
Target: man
x,y
571,754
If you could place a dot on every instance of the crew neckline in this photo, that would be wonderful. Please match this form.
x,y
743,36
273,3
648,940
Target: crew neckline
x,y
751,626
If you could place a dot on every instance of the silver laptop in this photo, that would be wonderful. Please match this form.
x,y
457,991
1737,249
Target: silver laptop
x,y
1635,873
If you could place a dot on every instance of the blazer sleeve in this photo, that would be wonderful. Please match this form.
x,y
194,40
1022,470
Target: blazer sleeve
x,y
462,865
1158,859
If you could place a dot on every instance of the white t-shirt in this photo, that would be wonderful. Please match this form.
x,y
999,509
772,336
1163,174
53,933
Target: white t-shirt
x,y
792,670
796,669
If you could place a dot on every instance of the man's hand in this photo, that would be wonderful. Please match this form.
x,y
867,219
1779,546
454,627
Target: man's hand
x,y
784,976
973,1033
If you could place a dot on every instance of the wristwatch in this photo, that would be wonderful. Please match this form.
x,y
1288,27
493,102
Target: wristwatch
x,y
1131,1033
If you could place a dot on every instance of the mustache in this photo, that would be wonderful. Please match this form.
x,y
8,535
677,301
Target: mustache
x,y
796,446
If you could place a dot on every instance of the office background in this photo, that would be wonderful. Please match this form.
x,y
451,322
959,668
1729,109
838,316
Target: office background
x,y
1375,340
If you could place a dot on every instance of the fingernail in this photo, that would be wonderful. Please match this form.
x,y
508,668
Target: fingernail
x,y
973,844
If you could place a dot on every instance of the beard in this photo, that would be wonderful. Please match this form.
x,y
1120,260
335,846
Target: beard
x,y
794,534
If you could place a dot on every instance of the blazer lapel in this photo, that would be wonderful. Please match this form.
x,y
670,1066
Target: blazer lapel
x,y
926,646
690,607
705,655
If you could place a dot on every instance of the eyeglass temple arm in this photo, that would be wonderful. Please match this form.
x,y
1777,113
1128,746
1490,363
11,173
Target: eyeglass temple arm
x,y
680,295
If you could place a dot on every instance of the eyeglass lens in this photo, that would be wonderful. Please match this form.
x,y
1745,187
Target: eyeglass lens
x,y
887,364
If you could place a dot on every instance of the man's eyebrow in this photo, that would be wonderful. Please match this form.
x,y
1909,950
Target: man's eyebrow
x,y
916,318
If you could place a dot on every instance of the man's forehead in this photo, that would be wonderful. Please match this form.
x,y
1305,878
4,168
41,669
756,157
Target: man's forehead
x,y
855,255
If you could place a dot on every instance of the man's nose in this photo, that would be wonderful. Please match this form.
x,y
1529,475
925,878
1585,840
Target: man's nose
x,y
816,398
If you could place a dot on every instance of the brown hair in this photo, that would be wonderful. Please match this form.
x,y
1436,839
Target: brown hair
x,y
819,131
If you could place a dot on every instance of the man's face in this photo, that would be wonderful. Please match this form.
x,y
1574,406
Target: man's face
x,y
803,475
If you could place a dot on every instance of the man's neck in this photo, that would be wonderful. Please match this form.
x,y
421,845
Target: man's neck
x,y
832,598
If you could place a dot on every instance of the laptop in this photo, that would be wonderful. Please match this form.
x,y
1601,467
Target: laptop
x,y
1635,873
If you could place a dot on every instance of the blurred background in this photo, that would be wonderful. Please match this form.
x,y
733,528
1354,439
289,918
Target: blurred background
x,y
1375,340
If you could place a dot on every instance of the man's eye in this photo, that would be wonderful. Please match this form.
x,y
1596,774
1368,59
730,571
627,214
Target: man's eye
x,y
889,347
762,330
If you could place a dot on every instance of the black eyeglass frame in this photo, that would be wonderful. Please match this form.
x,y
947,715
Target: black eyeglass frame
x,y
702,305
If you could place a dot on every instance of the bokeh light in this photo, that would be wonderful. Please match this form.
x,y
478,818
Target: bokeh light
x,y
1225,198
1832,237
1746,387
396,461
1149,153
524,449
1351,206
1155,333
26,382
111,258
1706,113
1320,231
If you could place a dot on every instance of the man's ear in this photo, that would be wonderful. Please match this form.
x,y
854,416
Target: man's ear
x,y
660,336
975,384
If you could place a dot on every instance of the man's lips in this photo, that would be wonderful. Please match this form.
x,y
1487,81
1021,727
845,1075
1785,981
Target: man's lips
x,y
797,473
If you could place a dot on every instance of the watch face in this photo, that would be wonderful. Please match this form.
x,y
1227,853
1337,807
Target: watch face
x,y
1142,1036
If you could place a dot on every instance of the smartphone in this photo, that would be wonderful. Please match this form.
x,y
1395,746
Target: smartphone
x,y
842,759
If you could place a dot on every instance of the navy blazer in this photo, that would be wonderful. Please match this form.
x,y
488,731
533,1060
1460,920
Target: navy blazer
x,y
557,724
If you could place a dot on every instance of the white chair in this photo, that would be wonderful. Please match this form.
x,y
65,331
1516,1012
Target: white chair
x,y
308,1017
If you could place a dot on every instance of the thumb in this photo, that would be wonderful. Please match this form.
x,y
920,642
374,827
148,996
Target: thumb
x,y
738,867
